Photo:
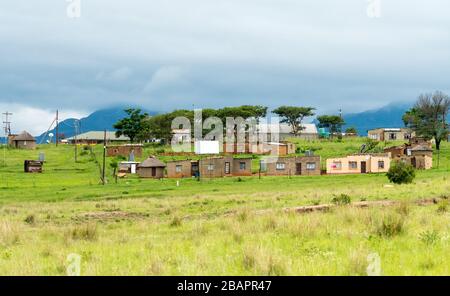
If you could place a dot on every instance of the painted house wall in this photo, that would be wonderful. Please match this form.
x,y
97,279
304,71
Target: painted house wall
x,y
147,173
346,168
290,166
24,144
186,169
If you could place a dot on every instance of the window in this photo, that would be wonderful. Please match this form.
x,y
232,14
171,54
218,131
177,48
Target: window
x,y
353,165
178,168
392,136
227,168
337,165
210,167
381,164
263,166
281,166
242,165
310,166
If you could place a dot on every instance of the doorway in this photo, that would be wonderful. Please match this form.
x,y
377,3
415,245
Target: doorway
x,y
363,167
298,168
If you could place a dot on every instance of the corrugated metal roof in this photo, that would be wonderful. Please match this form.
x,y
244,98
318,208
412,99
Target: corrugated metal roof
x,y
98,136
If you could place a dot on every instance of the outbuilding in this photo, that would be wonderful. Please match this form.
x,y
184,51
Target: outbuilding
x,y
23,141
151,168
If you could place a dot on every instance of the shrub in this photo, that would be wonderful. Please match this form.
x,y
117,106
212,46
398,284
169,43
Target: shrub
x,y
176,222
30,219
342,199
401,173
84,232
442,206
390,225
429,238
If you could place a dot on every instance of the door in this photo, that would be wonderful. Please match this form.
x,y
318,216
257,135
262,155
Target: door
x,y
194,170
227,168
298,168
363,167
153,172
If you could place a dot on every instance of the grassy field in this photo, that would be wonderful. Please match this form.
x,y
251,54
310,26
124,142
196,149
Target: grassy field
x,y
229,226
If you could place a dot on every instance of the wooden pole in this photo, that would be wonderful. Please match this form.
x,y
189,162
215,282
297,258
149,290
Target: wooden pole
x,y
104,158
57,129
76,145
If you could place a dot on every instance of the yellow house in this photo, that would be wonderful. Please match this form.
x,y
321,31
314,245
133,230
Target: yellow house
x,y
359,164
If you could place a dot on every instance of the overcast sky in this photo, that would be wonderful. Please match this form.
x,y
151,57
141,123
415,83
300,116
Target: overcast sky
x,y
166,54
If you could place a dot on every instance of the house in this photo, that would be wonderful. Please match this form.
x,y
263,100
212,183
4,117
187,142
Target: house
x,y
97,137
418,153
151,168
210,167
22,141
283,148
125,150
308,132
390,134
287,166
359,164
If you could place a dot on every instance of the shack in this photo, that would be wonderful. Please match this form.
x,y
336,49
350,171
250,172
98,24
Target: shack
x,y
211,167
33,166
295,165
22,141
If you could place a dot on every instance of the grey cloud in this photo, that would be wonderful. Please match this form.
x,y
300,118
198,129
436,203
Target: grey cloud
x,y
166,54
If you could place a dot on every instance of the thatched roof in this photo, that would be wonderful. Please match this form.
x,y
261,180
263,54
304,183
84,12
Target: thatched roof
x,y
24,136
152,162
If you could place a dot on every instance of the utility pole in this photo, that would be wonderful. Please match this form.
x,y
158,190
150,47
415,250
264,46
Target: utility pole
x,y
7,123
57,129
104,158
76,144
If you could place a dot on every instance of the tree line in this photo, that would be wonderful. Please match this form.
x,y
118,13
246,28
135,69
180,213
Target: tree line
x,y
427,118
140,126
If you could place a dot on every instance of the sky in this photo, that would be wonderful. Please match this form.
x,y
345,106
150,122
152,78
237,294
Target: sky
x,y
167,54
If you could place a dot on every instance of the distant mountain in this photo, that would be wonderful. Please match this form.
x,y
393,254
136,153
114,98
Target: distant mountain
x,y
387,116
97,121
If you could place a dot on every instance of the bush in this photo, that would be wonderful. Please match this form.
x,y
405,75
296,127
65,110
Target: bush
x,y
442,206
30,219
390,225
401,173
86,232
342,199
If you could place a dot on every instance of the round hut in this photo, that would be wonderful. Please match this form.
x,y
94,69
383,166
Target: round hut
x,y
151,168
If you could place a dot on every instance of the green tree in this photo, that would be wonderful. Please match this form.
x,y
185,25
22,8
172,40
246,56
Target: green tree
x,y
401,173
351,130
428,117
333,122
130,126
294,116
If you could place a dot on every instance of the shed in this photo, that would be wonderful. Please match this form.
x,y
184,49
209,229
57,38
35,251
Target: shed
x,y
23,141
33,166
151,168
